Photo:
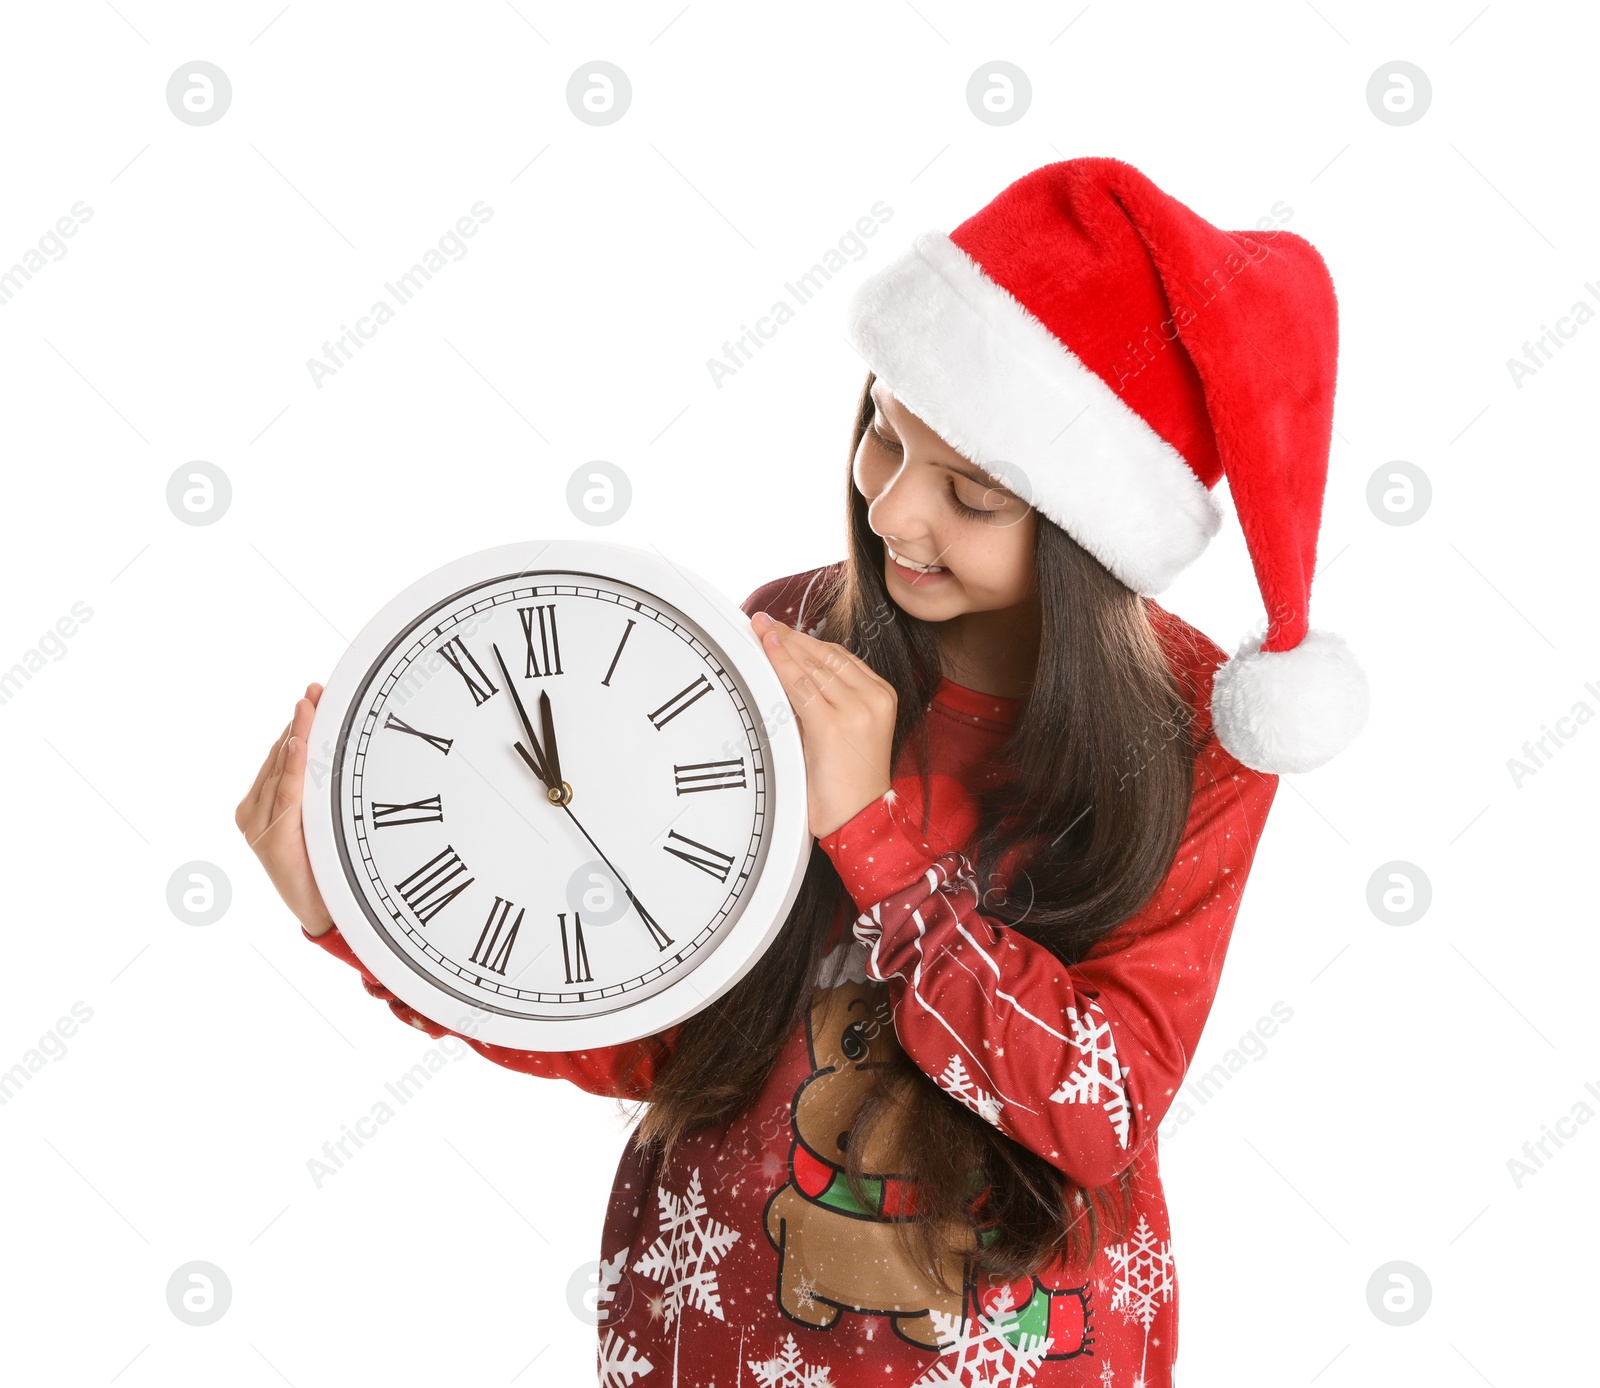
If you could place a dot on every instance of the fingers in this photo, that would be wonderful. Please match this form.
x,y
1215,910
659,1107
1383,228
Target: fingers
x,y
815,665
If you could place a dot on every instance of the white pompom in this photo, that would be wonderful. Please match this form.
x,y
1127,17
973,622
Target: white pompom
x,y
1290,710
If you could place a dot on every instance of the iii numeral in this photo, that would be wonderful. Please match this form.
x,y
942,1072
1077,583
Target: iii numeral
x,y
709,775
574,955
706,858
400,726
461,658
483,954
549,641
680,701
429,811
434,885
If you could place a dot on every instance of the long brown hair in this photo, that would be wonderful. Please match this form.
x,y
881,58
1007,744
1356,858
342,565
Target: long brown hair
x,y
1100,767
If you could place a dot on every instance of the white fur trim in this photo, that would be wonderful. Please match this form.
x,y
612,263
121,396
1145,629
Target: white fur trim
x,y
999,387
1290,710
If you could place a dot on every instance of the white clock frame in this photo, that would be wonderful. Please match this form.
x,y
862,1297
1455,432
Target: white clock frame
x,y
726,632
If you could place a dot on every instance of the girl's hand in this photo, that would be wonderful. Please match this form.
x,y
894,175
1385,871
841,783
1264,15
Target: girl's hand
x,y
847,715
269,818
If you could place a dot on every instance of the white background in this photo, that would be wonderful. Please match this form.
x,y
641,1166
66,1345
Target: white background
x,y
179,1122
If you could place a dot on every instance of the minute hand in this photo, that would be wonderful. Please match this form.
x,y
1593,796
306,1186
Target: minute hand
x,y
539,761
657,934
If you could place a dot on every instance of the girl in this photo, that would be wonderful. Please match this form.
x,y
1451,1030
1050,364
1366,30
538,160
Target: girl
x,y
916,1144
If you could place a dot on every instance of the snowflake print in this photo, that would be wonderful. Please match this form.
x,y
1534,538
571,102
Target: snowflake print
x,y
680,1258
786,1370
620,1363
1099,1076
979,1351
1145,1280
956,1082
609,1276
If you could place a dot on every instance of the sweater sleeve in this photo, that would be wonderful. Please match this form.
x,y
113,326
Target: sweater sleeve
x,y
599,1070
1077,1063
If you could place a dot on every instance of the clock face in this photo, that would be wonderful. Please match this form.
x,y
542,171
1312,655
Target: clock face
x,y
458,853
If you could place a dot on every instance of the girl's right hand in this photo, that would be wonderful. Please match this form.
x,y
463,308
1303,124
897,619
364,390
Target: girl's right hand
x,y
269,818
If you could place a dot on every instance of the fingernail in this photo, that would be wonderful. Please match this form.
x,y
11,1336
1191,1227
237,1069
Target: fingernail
x,y
761,619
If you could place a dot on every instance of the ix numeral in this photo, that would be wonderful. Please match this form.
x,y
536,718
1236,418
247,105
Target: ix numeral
x,y
433,886
489,939
429,811
707,859
549,641
709,775
680,701
460,657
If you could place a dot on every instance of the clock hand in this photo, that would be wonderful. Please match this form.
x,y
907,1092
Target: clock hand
x,y
535,764
657,934
542,767
551,750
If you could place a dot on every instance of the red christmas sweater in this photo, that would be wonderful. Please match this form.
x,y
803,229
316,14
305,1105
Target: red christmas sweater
x,y
748,1260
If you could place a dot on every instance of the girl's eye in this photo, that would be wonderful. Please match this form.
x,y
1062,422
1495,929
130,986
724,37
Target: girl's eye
x,y
975,512
890,444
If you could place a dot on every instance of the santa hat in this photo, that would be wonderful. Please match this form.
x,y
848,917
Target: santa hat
x,y
1109,355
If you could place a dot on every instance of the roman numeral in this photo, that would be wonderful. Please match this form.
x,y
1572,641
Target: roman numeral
x,y
488,942
575,955
428,811
549,644
618,655
680,701
709,775
482,687
433,886
400,726
707,859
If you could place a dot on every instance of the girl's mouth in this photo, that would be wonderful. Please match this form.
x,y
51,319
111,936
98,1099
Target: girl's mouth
x,y
919,578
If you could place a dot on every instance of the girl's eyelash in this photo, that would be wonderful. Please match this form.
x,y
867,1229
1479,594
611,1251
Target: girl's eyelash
x,y
973,511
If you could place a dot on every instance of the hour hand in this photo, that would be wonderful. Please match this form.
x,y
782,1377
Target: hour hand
x,y
551,751
535,763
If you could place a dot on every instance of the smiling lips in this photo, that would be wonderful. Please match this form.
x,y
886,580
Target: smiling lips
x,y
911,567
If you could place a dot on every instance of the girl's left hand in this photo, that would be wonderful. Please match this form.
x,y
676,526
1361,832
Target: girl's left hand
x,y
847,715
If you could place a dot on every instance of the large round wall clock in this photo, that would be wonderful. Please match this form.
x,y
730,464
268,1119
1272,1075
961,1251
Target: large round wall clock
x,y
566,805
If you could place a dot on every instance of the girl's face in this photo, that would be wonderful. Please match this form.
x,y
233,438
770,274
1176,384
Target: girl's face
x,y
932,506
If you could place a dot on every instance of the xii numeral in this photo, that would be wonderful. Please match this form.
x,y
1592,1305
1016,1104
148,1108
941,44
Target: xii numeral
x,y
709,860
483,954
434,885
574,955
460,657
709,775
549,640
429,811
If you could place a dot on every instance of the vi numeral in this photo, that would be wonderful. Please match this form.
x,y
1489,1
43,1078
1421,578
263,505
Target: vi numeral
x,y
574,953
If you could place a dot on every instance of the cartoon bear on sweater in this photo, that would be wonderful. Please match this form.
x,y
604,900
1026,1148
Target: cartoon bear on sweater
x,y
837,1253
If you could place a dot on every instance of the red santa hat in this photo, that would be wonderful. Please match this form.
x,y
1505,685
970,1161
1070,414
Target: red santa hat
x,y
1109,356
